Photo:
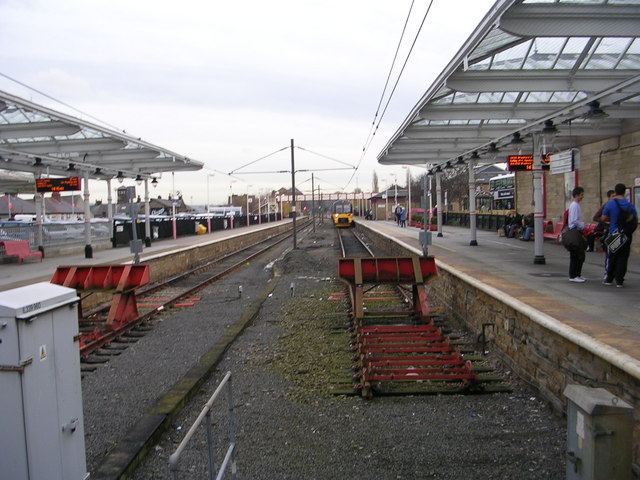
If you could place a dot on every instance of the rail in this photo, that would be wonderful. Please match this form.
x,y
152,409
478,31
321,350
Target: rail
x,y
206,413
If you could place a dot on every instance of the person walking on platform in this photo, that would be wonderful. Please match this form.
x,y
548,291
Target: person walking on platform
x,y
577,250
397,211
403,217
612,212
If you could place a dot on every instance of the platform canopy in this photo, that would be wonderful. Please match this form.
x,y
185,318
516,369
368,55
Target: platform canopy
x,y
42,141
529,65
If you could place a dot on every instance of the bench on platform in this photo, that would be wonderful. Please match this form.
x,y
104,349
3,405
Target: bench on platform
x,y
20,249
555,234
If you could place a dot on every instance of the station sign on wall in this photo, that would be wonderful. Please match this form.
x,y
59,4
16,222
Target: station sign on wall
x,y
565,162
519,163
57,184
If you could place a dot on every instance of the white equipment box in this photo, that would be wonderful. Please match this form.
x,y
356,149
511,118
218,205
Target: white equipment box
x,y
41,424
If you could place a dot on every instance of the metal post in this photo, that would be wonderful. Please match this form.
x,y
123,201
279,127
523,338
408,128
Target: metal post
x,y
426,218
293,194
439,202
88,249
39,219
409,193
386,204
109,202
173,205
472,203
313,204
248,205
232,429
538,207
210,447
147,214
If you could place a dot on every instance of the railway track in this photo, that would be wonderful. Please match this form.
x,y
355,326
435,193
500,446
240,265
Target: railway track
x,y
399,342
100,339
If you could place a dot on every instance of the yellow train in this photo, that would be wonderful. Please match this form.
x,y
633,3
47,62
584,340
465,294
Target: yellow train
x,y
342,214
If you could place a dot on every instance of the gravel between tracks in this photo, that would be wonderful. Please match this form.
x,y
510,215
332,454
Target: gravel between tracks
x,y
289,425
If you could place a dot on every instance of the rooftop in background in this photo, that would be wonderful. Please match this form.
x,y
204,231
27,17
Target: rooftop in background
x,y
573,62
39,140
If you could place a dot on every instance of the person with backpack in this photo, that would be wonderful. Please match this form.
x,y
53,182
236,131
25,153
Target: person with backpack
x,y
622,216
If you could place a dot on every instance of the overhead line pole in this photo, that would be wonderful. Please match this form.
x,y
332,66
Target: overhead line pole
x,y
293,194
313,204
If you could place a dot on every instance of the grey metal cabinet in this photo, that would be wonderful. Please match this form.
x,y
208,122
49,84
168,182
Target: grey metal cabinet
x,y
41,423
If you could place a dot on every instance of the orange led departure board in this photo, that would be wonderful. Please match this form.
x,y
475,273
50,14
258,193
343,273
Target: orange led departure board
x,y
57,184
525,162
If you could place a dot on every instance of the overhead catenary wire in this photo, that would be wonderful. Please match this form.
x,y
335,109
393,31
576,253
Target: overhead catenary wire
x,y
375,126
257,160
237,171
386,83
325,156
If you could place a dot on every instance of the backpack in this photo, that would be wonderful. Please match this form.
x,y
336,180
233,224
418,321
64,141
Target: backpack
x,y
627,221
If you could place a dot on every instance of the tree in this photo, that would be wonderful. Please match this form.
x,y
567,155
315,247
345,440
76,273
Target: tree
x,y
375,182
456,183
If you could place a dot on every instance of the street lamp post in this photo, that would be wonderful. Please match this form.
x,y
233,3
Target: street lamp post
x,y
408,193
248,213
386,202
209,175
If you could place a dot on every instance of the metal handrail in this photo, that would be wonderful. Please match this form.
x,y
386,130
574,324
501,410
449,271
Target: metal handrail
x,y
206,412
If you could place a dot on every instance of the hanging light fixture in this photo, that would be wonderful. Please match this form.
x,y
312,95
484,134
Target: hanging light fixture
x,y
430,173
549,131
38,162
71,167
438,169
493,148
448,166
138,179
516,140
120,177
460,160
595,112
475,156
98,172
154,182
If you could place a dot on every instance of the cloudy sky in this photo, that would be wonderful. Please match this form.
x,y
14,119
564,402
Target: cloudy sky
x,y
228,83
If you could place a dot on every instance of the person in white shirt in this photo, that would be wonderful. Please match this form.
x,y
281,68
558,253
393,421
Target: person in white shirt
x,y
577,254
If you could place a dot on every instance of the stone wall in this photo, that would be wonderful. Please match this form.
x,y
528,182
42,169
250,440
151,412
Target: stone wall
x,y
543,352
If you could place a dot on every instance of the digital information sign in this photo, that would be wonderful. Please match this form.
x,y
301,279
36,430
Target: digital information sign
x,y
517,163
57,184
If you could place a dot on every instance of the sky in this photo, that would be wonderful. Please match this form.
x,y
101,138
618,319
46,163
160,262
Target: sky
x,y
228,83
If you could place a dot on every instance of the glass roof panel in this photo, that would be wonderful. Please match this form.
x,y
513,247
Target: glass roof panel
x,y
571,53
495,40
512,58
490,97
607,53
538,97
444,100
461,97
510,97
543,53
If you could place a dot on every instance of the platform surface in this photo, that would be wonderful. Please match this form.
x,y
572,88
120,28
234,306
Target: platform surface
x,y
31,271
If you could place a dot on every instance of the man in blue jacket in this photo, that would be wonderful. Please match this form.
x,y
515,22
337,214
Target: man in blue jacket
x,y
617,267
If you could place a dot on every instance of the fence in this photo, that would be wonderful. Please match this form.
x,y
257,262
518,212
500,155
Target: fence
x,y
484,221
229,457
53,234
